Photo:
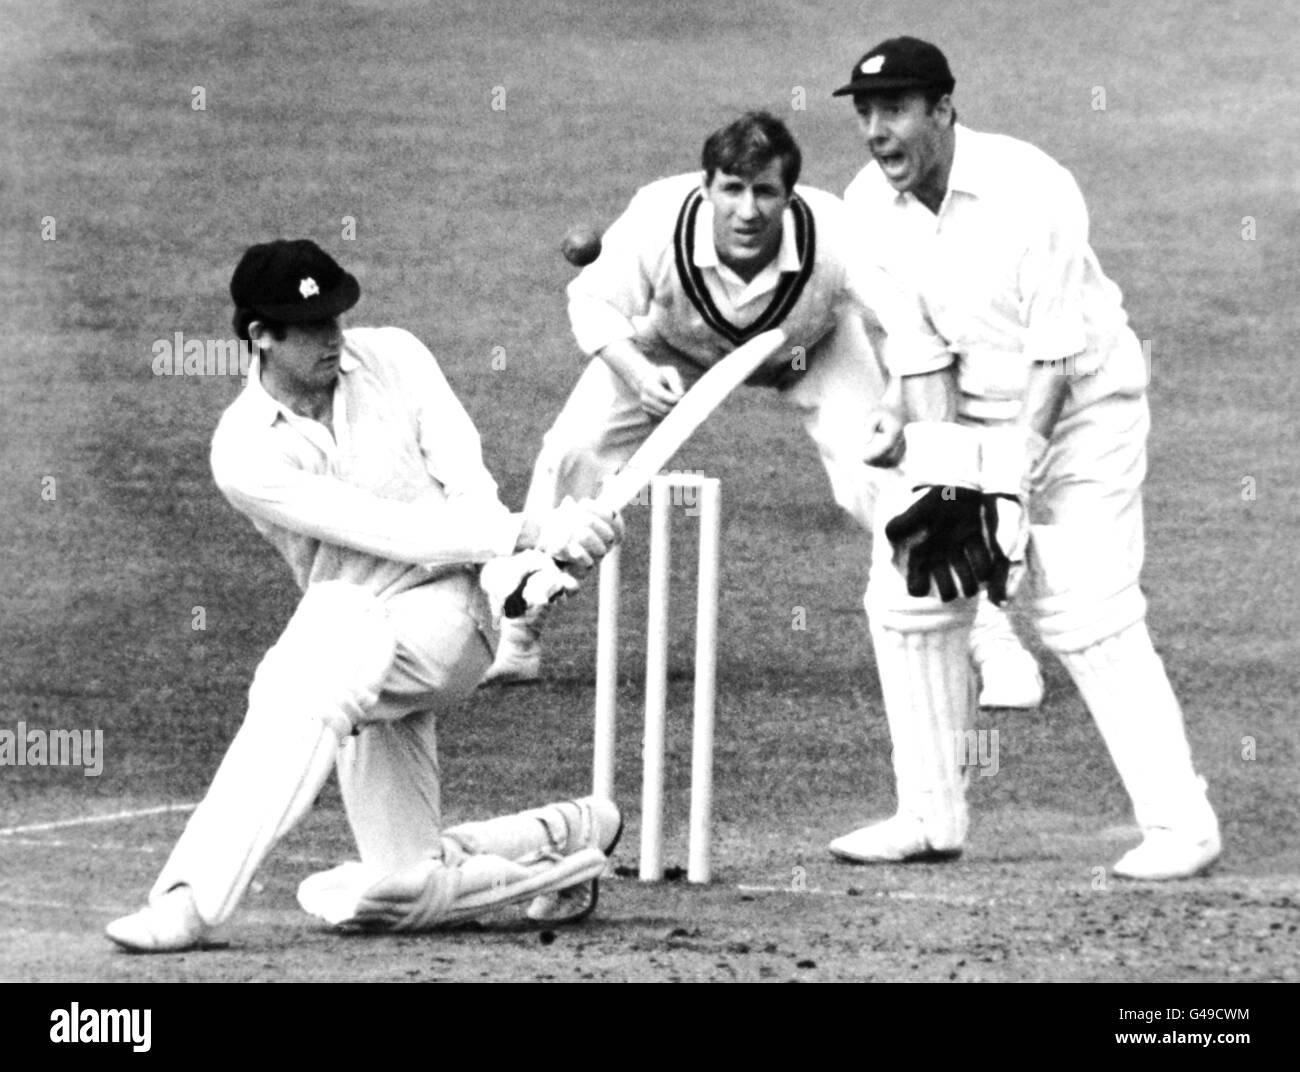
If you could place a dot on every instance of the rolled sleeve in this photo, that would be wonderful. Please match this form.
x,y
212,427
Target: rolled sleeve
x,y
912,345
617,286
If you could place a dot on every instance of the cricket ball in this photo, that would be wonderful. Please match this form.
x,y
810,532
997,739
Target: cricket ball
x,y
581,246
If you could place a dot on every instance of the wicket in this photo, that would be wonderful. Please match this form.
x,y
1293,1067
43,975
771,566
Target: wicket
x,y
656,687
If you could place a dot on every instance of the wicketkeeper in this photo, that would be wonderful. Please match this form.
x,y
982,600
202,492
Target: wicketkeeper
x,y
349,453
1026,451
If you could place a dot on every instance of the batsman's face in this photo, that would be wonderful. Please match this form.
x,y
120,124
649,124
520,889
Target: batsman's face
x,y
747,217
307,358
910,144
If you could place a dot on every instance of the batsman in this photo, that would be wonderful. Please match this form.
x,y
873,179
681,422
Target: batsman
x,y
698,265
350,454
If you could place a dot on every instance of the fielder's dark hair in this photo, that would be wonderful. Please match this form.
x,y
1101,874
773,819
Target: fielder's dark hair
x,y
747,145
245,316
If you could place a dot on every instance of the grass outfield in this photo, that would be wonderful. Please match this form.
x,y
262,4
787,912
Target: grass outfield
x,y
112,533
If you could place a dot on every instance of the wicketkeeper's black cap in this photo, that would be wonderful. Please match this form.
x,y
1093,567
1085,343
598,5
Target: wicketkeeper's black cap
x,y
293,281
899,63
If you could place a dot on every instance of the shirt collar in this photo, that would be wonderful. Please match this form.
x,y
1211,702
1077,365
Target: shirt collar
x,y
705,253
266,407
967,175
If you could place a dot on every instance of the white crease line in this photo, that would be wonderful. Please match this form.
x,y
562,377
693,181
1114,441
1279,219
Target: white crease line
x,y
896,895
85,820
101,910
46,843
150,850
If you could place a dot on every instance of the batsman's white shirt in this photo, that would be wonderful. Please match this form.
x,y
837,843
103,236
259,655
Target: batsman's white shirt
x,y
1005,273
397,495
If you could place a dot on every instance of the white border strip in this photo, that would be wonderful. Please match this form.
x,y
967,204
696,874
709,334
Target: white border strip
x,y
86,820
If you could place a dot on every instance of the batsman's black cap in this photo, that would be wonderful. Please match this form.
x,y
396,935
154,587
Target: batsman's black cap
x,y
899,63
293,281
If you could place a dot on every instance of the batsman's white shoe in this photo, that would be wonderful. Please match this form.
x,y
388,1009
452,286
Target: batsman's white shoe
x,y
894,841
1009,677
518,659
602,825
168,925
1167,854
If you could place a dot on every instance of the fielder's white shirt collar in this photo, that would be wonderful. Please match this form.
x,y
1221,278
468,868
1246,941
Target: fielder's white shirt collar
x,y
705,255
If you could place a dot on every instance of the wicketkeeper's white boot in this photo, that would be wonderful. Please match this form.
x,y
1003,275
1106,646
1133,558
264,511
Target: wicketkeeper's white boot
x,y
1169,854
518,659
893,841
169,924
1009,675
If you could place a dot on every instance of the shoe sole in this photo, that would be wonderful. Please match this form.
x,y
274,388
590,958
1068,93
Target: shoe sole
x,y
928,856
1205,868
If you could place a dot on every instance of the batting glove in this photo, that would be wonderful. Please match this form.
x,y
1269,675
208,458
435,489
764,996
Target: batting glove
x,y
518,583
579,534
1011,459
940,539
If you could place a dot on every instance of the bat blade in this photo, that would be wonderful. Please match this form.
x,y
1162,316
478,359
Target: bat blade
x,y
684,418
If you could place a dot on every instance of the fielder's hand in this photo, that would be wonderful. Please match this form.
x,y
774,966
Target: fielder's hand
x,y
885,446
518,583
661,390
578,534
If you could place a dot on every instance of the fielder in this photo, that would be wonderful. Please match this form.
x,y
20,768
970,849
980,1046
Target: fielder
x,y
349,453
698,264
1040,423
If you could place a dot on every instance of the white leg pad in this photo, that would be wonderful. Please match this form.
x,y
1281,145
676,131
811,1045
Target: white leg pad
x,y
929,702
1124,684
433,893
992,630
561,828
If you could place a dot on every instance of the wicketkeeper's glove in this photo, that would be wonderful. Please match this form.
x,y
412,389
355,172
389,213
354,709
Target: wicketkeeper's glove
x,y
1010,462
941,536
518,583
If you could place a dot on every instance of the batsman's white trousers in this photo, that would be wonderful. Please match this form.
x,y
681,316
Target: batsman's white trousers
x,y
353,681
602,423
1085,557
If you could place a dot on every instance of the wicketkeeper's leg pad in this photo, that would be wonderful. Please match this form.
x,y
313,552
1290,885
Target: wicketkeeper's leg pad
x,y
928,689
926,680
434,893
1124,684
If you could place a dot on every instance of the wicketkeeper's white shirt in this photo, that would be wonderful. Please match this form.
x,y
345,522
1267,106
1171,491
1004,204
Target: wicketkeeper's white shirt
x,y
1004,271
